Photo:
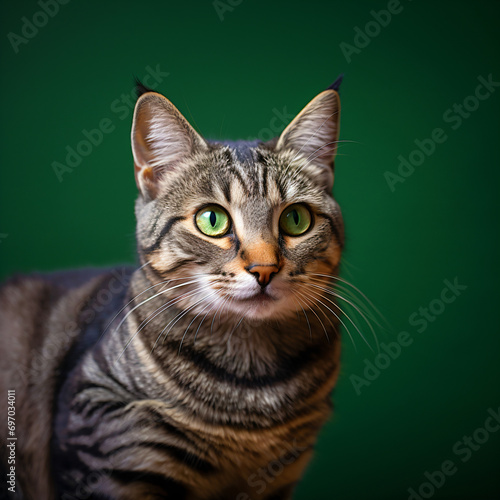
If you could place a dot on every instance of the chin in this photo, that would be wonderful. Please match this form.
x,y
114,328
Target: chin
x,y
262,306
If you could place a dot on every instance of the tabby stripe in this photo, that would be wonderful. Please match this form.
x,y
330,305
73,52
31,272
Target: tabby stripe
x,y
143,422
237,174
260,158
167,426
185,457
161,272
288,366
264,180
282,190
228,156
304,392
334,228
88,430
237,243
130,388
90,334
110,375
157,424
166,229
226,190
282,246
87,386
106,406
174,489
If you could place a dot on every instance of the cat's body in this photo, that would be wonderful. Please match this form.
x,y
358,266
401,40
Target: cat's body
x,y
207,372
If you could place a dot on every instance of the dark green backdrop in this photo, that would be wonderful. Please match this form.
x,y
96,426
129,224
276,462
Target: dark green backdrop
x,y
236,77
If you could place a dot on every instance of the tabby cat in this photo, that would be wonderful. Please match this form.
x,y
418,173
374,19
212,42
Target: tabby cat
x,y
207,372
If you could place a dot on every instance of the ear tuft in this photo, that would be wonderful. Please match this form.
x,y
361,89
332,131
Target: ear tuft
x,y
140,88
336,84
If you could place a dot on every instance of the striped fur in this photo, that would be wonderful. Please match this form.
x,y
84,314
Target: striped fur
x,y
187,378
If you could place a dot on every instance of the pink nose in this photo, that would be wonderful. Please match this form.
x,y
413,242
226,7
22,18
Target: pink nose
x,y
263,272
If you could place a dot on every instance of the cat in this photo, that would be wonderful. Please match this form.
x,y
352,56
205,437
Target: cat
x,y
207,372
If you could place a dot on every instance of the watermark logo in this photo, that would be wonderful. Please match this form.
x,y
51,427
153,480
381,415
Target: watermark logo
x,y
11,440
223,6
364,36
31,27
121,107
454,116
276,124
420,319
463,449
265,476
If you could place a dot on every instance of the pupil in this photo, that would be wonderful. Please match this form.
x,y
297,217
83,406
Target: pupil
x,y
213,218
295,216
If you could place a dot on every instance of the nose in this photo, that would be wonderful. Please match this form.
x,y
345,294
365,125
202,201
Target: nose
x,y
263,272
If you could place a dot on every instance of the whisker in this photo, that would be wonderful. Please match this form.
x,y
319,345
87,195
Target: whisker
x,y
158,311
226,299
368,301
177,318
234,329
317,294
166,306
351,296
314,312
130,301
309,160
358,310
151,298
193,320
305,315
343,312
335,327
203,319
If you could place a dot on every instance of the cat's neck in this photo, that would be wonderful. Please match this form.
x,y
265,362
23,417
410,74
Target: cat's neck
x,y
235,361
164,324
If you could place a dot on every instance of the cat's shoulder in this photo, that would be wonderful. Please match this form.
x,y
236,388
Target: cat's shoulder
x,y
32,304
38,326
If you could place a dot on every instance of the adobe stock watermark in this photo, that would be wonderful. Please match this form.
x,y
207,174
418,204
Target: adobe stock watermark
x,y
11,440
31,26
463,449
50,350
265,476
455,117
364,36
90,483
223,6
121,108
277,123
420,319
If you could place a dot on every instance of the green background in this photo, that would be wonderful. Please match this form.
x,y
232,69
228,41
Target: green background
x,y
229,77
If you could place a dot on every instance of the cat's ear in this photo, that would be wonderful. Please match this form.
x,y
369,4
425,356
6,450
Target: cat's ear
x,y
313,134
161,140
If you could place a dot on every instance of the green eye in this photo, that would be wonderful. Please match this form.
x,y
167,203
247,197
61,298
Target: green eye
x,y
295,220
212,221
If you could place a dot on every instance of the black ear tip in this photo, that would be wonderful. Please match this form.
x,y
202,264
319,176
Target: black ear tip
x,y
140,88
336,84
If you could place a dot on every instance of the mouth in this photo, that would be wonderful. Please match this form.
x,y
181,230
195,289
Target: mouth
x,y
261,297
260,305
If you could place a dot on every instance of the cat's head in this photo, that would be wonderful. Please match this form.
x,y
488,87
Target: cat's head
x,y
250,229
